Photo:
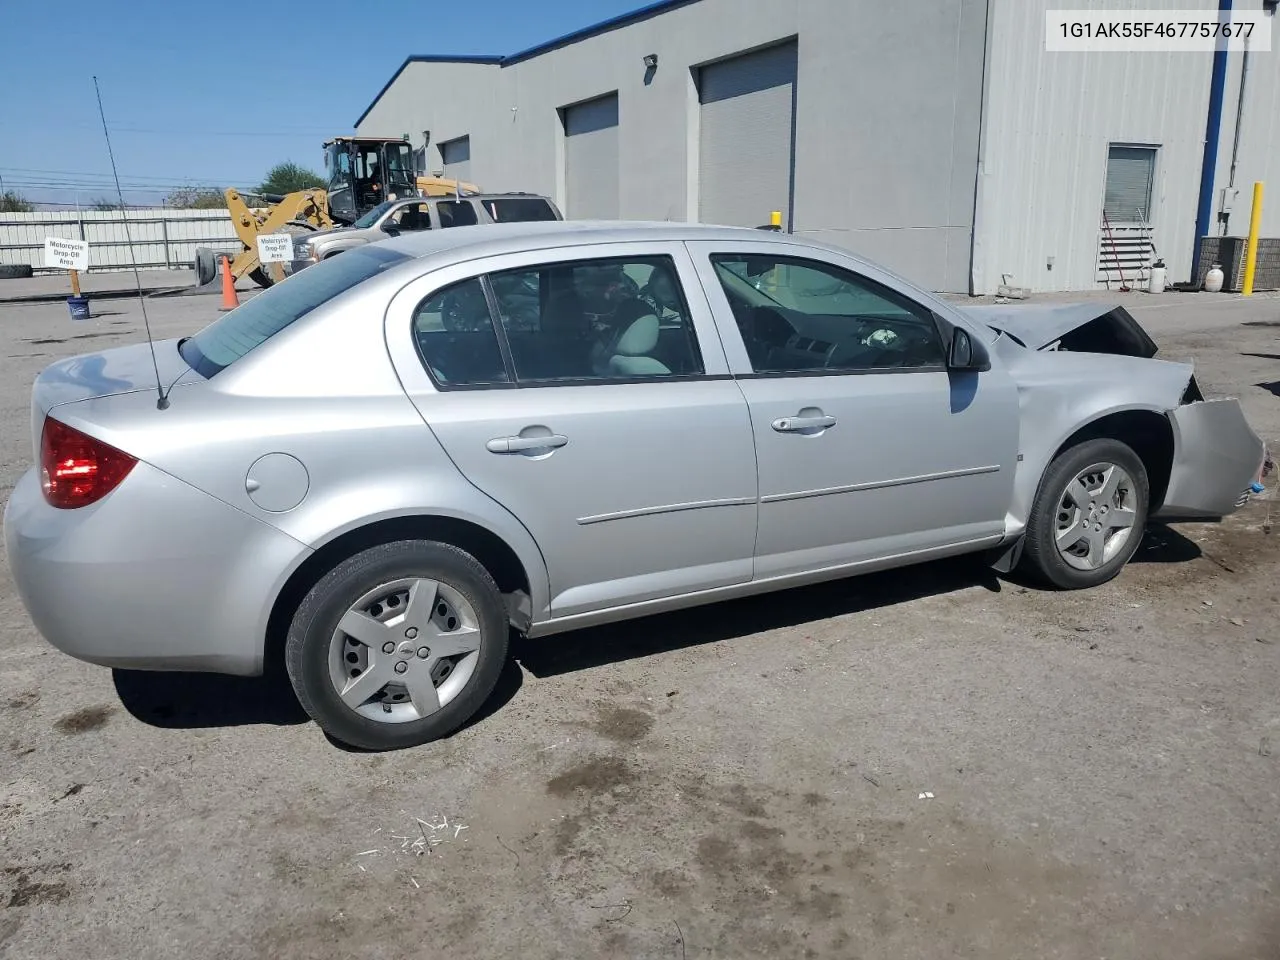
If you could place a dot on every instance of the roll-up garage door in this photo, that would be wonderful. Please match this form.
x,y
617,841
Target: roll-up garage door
x,y
456,158
591,159
746,154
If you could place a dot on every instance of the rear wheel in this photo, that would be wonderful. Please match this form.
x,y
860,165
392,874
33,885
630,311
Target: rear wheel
x,y
398,645
1089,514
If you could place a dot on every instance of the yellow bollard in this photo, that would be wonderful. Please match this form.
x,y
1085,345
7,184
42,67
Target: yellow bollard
x,y
1251,249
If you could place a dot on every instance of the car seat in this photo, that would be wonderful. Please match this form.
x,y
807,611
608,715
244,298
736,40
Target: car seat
x,y
632,348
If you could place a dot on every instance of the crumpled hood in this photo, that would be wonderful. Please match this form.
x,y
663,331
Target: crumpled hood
x,y
1099,327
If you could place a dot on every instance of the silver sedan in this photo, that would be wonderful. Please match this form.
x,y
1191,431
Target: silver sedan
x,y
378,469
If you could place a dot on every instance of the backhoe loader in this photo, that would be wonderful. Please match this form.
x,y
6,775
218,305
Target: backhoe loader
x,y
362,172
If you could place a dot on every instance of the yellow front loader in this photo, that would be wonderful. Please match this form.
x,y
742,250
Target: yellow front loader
x,y
362,173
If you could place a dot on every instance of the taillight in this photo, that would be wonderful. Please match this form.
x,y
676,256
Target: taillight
x,y
77,470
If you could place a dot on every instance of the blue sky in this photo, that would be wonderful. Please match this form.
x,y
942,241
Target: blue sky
x,y
201,93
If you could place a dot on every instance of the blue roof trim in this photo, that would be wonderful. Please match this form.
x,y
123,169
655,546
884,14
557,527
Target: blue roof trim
x,y
424,58
604,26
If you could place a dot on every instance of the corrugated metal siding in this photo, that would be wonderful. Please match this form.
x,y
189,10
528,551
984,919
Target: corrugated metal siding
x,y
591,159
456,158
746,141
1049,119
161,237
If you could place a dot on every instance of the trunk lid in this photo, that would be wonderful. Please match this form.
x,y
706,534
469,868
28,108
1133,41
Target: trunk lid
x,y
111,372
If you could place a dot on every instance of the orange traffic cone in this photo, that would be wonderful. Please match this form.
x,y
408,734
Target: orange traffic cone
x,y
229,299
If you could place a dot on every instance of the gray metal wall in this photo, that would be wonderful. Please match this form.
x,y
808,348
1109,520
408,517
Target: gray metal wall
x,y
591,159
746,138
886,118
1049,120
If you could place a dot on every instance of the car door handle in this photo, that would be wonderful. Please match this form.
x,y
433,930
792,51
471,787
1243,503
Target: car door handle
x,y
796,424
522,444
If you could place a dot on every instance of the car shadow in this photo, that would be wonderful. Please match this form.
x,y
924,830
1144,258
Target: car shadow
x,y
717,622
713,623
193,700
1262,356
1273,387
199,700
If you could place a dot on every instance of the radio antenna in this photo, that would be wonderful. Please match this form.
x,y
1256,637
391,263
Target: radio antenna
x,y
162,403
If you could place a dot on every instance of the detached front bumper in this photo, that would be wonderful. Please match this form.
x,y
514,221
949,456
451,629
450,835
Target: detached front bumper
x,y
1217,458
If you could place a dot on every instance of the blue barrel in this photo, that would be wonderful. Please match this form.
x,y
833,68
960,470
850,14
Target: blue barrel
x,y
79,307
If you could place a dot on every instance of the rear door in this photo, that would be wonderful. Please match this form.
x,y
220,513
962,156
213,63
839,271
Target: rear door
x,y
608,424
868,446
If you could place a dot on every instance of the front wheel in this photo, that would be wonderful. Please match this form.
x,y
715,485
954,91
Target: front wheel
x,y
398,645
1088,516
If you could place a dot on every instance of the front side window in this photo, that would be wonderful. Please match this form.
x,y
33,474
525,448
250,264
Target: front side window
x,y
456,213
597,320
412,216
255,321
806,316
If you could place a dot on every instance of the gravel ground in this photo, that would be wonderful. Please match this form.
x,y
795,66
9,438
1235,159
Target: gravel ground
x,y
742,780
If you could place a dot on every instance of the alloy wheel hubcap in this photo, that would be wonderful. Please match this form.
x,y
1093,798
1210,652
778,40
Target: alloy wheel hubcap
x,y
1095,516
404,650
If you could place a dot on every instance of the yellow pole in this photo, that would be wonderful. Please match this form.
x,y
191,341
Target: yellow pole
x,y
1251,250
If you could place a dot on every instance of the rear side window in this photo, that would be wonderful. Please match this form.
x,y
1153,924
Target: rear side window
x,y
454,332
256,321
456,213
519,210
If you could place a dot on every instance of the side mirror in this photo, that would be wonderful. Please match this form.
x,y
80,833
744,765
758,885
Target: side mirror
x,y
390,229
967,353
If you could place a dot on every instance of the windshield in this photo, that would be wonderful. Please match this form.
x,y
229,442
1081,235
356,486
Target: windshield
x,y
256,321
372,217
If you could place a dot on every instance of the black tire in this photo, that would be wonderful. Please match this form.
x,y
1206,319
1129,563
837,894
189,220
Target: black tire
x,y
15,271
206,265
310,633
1041,557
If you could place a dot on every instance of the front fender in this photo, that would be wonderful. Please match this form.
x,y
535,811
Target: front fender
x,y
1061,393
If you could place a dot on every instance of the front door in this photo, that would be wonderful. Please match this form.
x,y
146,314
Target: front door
x,y
599,411
868,447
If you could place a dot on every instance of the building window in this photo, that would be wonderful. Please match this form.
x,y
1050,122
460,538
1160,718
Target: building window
x,y
455,158
1130,175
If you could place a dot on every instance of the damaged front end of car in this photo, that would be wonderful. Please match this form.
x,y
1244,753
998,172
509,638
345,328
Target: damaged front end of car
x,y
1217,460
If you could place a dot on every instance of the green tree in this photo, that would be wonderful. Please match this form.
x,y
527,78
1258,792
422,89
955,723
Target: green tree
x,y
105,203
196,198
288,176
11,202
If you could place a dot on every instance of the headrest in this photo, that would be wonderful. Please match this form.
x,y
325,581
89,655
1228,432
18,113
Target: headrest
x,y
639,338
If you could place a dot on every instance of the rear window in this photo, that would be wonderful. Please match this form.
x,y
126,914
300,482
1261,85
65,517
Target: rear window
x,y
256,321
519,209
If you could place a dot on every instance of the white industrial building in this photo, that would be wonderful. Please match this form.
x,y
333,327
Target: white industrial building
x,y
935,136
